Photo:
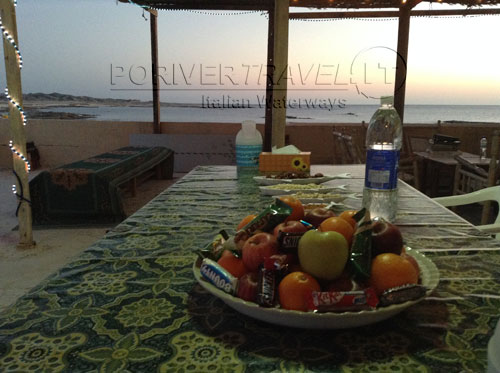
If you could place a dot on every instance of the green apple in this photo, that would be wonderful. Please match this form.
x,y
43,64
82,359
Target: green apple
x,y
323,254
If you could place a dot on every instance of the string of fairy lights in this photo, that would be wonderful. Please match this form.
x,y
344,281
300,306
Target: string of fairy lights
x,y
266,15
9,38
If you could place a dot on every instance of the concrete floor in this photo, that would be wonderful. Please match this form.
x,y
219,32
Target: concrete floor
x,y
22,269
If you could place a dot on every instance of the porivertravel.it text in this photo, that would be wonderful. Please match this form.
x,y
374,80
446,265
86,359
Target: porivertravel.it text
x,y
229,102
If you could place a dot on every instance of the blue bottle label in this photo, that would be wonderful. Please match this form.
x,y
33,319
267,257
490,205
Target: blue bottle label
x,y
381,169
248,155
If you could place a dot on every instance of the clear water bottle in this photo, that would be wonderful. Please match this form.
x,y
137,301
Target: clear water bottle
x,y
384,138
482,147
248,145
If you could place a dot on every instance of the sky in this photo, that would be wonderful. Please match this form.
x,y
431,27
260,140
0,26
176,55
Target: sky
x,y
101,48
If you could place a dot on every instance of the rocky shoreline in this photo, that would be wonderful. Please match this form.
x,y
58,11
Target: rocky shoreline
x,y
36,105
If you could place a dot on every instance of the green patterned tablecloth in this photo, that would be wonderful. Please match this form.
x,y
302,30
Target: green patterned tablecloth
x,y
130,302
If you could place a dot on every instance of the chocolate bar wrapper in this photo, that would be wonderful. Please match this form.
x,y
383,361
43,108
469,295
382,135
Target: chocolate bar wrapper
x,y
289,241
339,301
218,276
402,294
214,249
270,217
280,264
266,290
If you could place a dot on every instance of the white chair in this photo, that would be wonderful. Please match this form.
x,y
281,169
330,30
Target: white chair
x,y
486,194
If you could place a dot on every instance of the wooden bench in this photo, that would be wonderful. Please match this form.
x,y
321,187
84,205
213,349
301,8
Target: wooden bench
x,y
89,191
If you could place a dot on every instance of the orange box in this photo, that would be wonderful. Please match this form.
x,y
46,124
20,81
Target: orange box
x,y
270,163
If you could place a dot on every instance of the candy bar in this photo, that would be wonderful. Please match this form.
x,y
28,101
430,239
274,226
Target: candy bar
x,y
289,241
402,294
279,262
218,276
324,301
215,248
266,290
264,222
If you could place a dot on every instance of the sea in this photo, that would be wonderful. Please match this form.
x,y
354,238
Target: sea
x,y
303,114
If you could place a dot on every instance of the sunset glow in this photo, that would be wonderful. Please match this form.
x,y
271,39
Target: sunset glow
x,y
104,51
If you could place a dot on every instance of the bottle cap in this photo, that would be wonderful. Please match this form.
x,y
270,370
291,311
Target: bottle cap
x,y
387,100
248,126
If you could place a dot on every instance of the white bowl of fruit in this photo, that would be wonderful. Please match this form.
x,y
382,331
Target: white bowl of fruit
x,y
329,272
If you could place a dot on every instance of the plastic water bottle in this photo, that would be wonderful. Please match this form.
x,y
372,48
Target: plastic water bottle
x,y
482,147
383,144
248,145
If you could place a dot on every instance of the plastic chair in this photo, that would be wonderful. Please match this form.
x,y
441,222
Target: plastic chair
x,y
469,177
486,194
345,150
409,163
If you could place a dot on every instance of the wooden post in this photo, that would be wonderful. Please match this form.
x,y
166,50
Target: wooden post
x,y
268,126
401,58
154,70
8,14
281,15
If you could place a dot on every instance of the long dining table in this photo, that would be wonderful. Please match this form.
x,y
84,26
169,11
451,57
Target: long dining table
x,y
130,302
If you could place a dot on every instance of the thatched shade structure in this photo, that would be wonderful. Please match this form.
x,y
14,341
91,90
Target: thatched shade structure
x,y
279,16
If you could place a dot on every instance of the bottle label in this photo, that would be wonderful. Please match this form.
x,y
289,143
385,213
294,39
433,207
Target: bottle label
x,y
381,169
248,155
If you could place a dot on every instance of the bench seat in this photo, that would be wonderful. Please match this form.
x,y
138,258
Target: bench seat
x,y
88,191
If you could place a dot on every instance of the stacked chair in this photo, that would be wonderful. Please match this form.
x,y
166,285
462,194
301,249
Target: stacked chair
x,y
474,184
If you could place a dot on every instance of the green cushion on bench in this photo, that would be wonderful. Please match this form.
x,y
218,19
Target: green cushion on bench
x,y
86,192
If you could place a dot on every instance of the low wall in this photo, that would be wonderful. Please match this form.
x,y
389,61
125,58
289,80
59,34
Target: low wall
x,y
63,141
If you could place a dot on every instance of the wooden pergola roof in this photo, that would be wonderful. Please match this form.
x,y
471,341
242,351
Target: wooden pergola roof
x,y
277,50
315,4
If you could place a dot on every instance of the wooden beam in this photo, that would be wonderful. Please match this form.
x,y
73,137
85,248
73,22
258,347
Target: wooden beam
x,y
154,72
281,14
393,13
268,126
401,60
8,14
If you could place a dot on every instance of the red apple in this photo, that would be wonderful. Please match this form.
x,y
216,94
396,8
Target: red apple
x,y
257,248
289,226
247,286
386,238
317,215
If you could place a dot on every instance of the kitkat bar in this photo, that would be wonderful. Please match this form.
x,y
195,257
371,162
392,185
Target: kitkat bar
x,y
339,301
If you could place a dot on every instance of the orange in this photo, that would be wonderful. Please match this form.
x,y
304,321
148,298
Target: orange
x,y
294,288
348,217
232,264
297,207
389,270
337,224
247,219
